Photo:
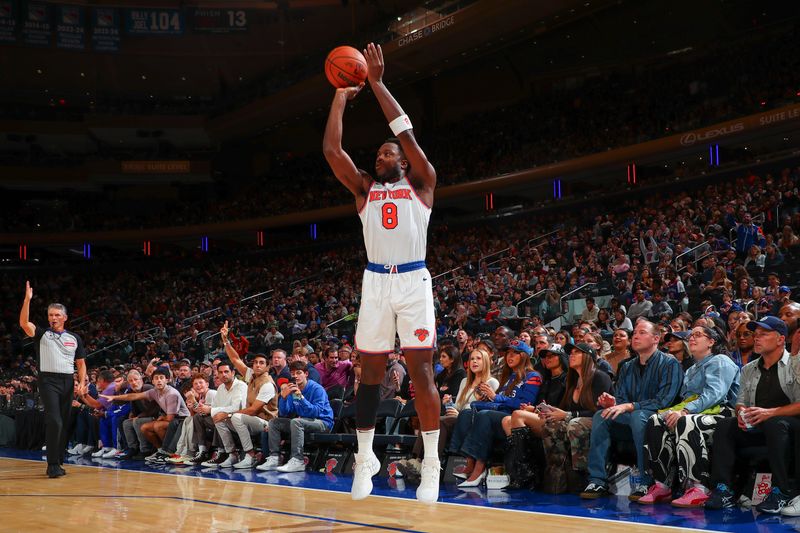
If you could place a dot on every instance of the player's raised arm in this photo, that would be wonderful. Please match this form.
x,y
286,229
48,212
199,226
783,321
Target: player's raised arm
x,y
341,164
422,175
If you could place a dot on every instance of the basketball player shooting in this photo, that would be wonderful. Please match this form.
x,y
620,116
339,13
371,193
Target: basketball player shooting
x,y
396,292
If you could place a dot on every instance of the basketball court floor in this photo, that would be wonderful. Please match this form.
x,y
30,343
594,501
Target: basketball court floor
x,y
130,496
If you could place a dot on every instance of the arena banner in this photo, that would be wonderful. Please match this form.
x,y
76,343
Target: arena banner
x,y
209,20
741,125
156,167
154,22
105,29
37,27
427,31
70,27
8,21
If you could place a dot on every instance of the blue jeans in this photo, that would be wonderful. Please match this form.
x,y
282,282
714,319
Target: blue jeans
x,y
476,432
626,427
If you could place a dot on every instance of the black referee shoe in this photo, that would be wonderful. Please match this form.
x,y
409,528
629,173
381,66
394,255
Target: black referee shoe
x,y
55,471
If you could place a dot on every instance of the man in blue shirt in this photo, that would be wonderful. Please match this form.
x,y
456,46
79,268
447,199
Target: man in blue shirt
x,y
303,407
645,384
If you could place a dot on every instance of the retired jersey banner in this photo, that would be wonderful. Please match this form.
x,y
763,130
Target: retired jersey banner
x,y
105,29
154,21
8,21
210,20
37,27
70,28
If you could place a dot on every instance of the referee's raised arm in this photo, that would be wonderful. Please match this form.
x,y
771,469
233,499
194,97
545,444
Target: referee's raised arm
x,y
24,313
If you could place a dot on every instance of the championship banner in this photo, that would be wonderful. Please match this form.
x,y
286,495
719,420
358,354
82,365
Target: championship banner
x,y
156,167
154,21
36,24
8,21
70,27
105,29
208,20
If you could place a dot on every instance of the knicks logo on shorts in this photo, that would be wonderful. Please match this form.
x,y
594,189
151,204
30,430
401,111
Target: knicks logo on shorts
x,y
421,334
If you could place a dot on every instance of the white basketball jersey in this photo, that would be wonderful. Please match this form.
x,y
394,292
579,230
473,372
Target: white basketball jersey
x,y
395,224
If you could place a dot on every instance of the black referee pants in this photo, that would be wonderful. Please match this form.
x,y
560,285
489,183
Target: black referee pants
x,y
56,392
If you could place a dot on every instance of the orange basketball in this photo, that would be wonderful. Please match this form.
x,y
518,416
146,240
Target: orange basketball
x,y
345,67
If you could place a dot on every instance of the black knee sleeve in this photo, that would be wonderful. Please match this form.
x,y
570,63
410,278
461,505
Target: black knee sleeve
x,y
367,401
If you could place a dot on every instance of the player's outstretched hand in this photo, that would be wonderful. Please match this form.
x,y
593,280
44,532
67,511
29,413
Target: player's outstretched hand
x,y
374,56
28,291
350,92
223,331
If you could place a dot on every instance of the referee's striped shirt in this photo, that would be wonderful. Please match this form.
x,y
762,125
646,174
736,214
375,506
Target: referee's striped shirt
x,y
57,352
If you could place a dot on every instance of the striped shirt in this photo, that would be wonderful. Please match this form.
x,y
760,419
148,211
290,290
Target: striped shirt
x,y
57,352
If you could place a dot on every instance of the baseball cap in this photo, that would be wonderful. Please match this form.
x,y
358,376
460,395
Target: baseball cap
x,y
769,323
682,335
520,346
205,363
554,349
784,288
582,346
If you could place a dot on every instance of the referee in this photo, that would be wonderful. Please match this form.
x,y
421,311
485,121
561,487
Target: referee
x,y
58,352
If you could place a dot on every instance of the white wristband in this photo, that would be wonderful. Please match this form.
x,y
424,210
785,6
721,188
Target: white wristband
x,y
400,124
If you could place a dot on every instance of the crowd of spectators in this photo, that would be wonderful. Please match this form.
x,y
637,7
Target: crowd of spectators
x,y
675,276
618,108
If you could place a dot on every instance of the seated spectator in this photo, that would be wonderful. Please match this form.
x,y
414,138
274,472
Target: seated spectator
x,y
661,309
273,336
554,376
645,384
502,337
453,373
300,354
745,342
142,411
640,307
303,408
332,371
162,430
620,350
230,397
279,367
677,345
198,395
621,321
393,378
769,400
260,408
111,416
790,314
590,313
567,428
468,391
678,438
474,434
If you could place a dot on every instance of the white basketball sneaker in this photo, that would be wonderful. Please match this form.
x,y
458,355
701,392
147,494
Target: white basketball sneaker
x,y
428,490
364,469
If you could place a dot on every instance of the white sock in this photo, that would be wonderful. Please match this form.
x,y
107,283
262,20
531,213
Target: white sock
x,y
430,441
365,438
662,485
702,487
202,448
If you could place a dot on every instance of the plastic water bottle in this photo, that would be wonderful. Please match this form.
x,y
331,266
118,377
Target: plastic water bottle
x,y
635,478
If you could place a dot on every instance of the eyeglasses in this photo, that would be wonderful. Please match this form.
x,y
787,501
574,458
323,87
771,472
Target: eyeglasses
x,y
698,335
744,334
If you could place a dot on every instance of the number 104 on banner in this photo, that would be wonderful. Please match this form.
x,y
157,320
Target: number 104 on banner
x,y
154,22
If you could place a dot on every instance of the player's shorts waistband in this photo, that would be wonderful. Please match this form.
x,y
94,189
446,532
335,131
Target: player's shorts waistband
x,y
395,269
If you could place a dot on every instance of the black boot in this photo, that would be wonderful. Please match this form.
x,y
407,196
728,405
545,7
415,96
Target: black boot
x,y
519,462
